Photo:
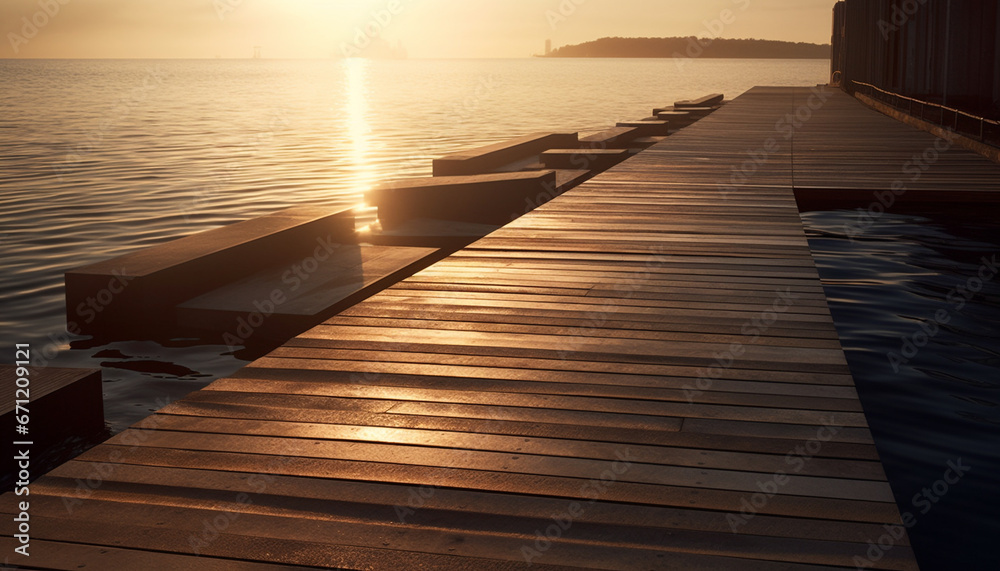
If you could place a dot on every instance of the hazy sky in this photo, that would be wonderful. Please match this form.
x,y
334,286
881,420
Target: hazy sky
x,y
426,28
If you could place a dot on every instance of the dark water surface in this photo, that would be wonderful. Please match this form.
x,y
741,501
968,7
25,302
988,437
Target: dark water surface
x,y
916,300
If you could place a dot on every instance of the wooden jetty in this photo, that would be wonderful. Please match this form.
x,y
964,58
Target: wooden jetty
x,y
277,275
642,373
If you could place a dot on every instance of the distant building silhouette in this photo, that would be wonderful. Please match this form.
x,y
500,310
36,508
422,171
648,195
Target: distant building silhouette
x,y
548,47
939,51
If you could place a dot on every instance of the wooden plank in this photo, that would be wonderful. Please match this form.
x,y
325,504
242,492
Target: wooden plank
x,y
596,160
648,128
343,275
679,541
529,429
614,138
431,453
643,143
625,333
350,497
609,384
598,313
451,477
402,362
704,101
71,556
64,406
153,280
678,119
507,393
715,460
447,235
257,539
491,157
482,199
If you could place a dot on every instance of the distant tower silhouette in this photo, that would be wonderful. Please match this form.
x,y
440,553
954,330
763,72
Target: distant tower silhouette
x,y
548,47
256,52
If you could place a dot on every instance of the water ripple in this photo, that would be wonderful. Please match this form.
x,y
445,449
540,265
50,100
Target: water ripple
x,y
927,367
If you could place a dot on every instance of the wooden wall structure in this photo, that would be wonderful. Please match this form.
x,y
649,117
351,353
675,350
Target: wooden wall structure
x,y
941,51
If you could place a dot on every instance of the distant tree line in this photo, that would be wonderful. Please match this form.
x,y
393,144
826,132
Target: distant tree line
x,y
693,47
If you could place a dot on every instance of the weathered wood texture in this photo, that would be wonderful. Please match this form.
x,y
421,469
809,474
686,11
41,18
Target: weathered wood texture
x,y
693,111
677,119
640,374
293,297
647,128
614,138
595,160
485,199
705,101
489,158
151,281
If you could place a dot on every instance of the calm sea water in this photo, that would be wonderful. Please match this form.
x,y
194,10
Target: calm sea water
x,y
100,158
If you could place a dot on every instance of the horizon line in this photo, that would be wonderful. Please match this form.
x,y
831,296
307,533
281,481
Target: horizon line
x,y
251,58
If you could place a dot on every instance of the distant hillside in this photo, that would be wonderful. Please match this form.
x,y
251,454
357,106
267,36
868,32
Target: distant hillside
x,y
692,47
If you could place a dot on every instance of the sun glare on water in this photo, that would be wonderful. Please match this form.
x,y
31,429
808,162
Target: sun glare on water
x,y
356,110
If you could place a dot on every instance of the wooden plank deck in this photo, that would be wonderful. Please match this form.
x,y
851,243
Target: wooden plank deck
x,y
641,374
849,156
